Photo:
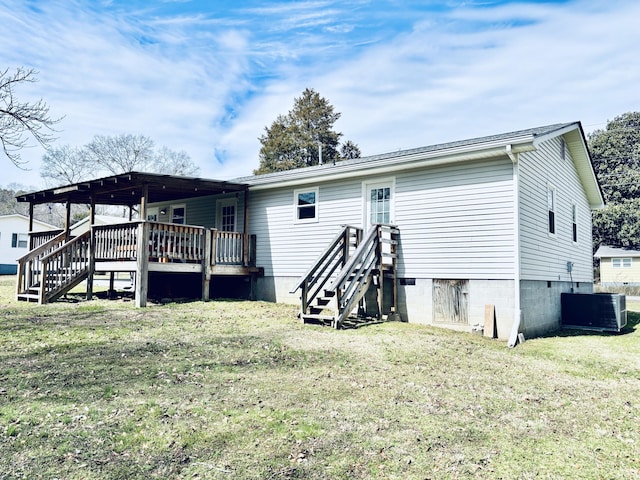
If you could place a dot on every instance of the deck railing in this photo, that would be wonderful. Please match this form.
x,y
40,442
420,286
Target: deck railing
x,y
174,243
40,238
30,265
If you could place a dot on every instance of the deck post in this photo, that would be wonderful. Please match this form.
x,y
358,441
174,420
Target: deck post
x,y
92,250
380,273
206,265
142,264
245,237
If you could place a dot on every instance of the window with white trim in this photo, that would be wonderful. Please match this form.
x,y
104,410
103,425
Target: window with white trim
x,y
574,222
306,205
179,214
551,209
19,240
621,262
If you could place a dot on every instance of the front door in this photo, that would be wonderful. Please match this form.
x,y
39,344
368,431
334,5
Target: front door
x,y
379,198
226,213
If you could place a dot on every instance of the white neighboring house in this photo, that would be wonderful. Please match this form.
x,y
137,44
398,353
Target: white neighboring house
x,y
84,225
14,239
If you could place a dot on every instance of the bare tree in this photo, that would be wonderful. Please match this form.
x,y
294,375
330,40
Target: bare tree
x,y
20,121
64,165
121,153
174,163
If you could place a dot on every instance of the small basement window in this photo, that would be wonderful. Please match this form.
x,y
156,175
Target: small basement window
x,y
621,262
306,205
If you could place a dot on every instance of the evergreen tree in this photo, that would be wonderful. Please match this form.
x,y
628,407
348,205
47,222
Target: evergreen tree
x,y
299,138
615,153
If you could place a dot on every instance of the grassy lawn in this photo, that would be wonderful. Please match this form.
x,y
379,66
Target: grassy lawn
x,y
242,390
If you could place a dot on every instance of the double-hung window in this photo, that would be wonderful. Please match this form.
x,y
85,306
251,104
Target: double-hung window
x,y
621,262
19,240
574,222
306,205
551,209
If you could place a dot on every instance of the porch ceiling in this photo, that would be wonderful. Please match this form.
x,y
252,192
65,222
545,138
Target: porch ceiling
x,y
127,189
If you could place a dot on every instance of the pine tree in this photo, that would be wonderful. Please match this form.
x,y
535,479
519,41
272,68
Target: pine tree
x,y
299,138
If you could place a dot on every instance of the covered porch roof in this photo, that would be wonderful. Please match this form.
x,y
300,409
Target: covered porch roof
x,y
129,188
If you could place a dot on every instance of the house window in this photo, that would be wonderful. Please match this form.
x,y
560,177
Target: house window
x,y
621,262
152,214
19,240
306,205
551,207
574,222
563,149
179,214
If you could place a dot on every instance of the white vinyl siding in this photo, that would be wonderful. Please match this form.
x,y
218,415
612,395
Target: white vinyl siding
x,y
543,256
288,249
202,210
456,222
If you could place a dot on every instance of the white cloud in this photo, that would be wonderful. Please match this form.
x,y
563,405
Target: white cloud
x,y
210,84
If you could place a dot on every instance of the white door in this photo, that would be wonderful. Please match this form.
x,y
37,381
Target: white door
x,y
226,213
379,202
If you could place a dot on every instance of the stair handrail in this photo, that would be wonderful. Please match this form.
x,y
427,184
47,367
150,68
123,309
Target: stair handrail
x,y
22,282
45,294
355,258
343,235
352,282
37,251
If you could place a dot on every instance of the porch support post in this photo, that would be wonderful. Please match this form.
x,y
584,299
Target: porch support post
x,y
30,225
142,264
206,265
245,236
67,222
144,200
92,249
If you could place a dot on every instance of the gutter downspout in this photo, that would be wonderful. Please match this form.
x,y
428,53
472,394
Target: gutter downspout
x,y
517,312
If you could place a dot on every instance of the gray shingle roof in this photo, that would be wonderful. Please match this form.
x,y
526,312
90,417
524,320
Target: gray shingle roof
x,y
399,154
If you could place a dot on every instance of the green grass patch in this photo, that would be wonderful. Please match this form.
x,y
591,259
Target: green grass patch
x,y
94,390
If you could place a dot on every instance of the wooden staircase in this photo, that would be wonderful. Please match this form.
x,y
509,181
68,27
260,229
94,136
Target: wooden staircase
x,y
334,288
52,269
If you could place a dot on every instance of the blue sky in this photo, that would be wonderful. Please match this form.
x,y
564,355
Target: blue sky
x,y
206,77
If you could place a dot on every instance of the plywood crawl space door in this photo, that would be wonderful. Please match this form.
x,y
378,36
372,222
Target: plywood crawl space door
x,y
451,301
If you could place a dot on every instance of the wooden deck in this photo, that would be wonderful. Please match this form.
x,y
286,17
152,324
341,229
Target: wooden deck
x,y
56,263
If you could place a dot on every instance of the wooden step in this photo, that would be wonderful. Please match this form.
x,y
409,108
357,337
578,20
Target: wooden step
x,y
28,297
317,318
322,301
316,310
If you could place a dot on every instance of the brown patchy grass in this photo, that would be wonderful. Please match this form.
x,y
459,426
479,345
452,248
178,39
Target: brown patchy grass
x,y
230,389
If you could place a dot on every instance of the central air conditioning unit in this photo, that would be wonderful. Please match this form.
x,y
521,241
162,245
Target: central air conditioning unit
x,y
594,311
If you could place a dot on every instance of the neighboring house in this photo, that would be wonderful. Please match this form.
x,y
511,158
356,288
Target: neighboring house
x,y
14,240
84,225
618,266
502,221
